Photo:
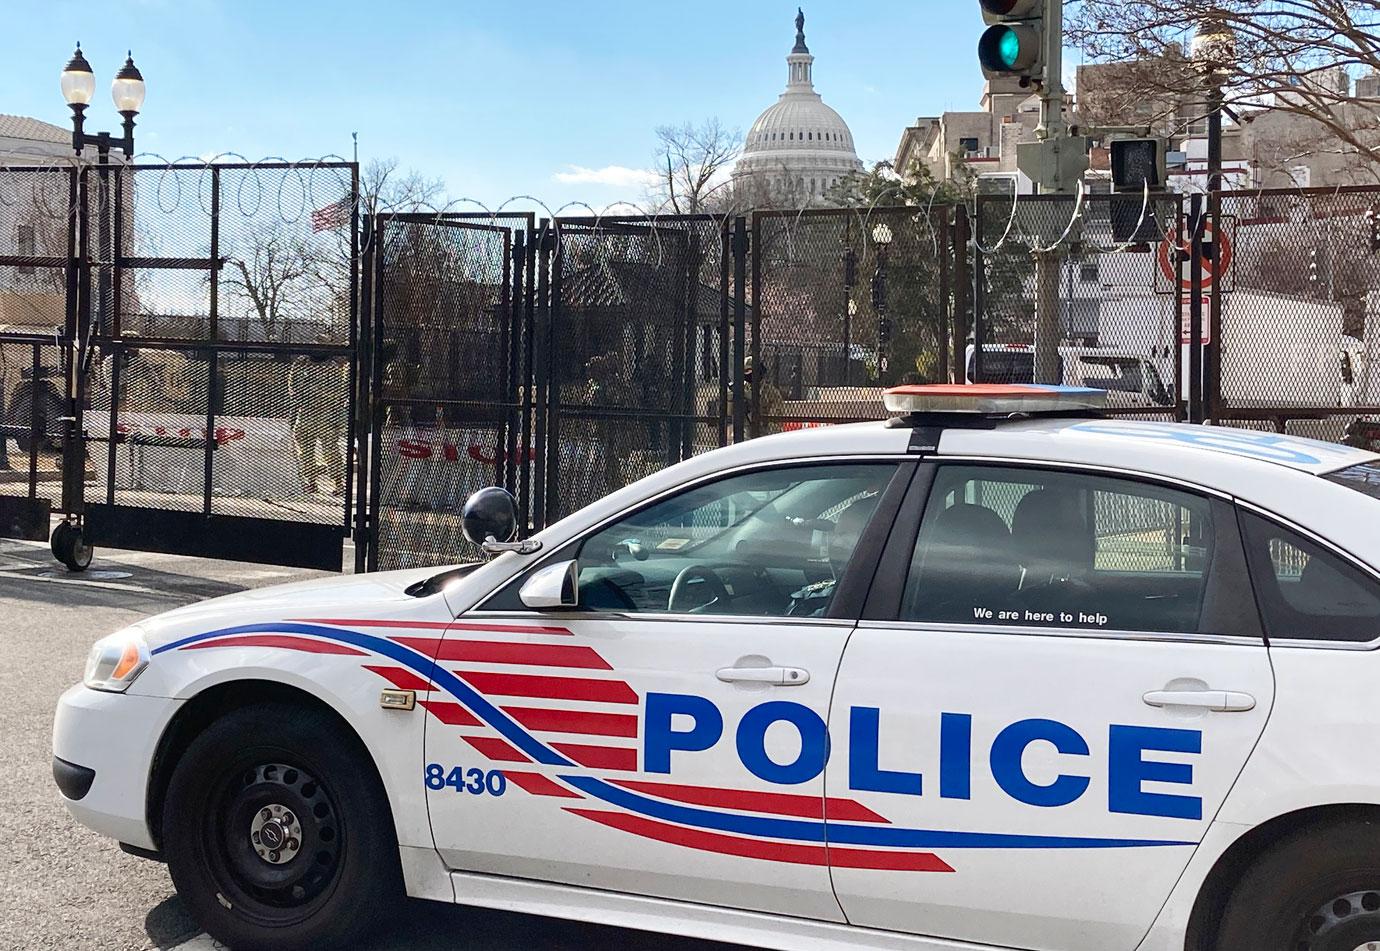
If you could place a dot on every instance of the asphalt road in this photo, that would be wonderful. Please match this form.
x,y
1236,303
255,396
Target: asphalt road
x,y
63,887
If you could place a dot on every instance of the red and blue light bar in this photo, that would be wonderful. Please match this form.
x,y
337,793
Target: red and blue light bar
x,y
992,399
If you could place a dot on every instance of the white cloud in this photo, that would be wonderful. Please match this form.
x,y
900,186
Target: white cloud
x,y
619,176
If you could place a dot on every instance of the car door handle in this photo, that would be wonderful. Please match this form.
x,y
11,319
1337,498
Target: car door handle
x,y
1220,701
777,676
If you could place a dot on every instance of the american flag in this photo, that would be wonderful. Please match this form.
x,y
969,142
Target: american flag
x,y
331,217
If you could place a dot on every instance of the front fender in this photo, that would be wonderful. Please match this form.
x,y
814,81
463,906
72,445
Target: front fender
x,y
345,684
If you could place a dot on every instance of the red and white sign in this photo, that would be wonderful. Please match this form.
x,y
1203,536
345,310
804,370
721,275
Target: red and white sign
x,y
255,456
1186,321
1176,270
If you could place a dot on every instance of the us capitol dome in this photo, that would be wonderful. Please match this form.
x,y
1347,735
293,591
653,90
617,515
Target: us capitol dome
x,y
799,147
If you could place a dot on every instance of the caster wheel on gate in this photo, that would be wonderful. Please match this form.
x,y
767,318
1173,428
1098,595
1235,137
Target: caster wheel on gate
x,y
70,548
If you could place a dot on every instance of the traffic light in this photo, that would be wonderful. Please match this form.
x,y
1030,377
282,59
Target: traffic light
x,y
1014,43
1138,163
1373,221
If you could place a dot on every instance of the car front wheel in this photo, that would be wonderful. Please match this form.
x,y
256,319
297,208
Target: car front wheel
x,y
1318,890
277,832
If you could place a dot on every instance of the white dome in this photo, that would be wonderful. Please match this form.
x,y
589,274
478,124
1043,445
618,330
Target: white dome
x,y
798,145
800,123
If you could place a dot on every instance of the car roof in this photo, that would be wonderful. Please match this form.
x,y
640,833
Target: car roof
x,y
1217,456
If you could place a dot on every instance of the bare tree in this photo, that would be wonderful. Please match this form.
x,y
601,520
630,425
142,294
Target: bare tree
x,y
384,188
692,165
273,276
1292,58
287,272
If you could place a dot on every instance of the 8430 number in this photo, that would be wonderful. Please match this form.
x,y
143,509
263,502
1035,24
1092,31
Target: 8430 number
x,y
476,782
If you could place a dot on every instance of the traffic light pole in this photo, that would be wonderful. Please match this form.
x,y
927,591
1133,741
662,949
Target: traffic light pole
x,y
1052,124
1049,265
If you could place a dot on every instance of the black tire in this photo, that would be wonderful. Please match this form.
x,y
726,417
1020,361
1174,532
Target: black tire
x,y
70,548
344,873
1317,890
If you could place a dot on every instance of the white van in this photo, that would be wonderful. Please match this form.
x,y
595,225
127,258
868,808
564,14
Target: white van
x,y
1130,379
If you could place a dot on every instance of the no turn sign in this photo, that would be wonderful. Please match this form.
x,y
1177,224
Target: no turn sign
x,y
1175,266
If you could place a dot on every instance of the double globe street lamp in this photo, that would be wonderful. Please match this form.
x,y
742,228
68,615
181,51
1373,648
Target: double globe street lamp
x,y
79,85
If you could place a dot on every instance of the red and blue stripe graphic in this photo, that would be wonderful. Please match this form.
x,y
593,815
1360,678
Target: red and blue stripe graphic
x,y
769,826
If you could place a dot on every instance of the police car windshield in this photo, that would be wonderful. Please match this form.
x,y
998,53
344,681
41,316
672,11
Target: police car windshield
x,y
699,517
1363,478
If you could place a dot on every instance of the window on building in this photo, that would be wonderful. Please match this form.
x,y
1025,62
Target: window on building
x,y
26,245
968,145
1087,272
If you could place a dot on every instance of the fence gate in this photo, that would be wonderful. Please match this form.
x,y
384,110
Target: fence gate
x,y
451,311
37,288
216,358
633,367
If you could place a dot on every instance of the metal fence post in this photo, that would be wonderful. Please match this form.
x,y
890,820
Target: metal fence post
x,y
1195,310
962,285
979,299
722,350
754,405
944,334
740,278
367,433
212,354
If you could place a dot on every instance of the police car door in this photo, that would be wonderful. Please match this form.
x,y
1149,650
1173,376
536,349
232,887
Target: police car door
x,y
1047,701
668,736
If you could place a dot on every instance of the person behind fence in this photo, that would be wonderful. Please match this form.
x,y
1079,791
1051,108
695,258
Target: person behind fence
x,y
399,384
141,385
609,387
317,385
771,407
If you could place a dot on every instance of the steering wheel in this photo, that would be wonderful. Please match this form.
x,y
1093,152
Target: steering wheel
x,y
680,587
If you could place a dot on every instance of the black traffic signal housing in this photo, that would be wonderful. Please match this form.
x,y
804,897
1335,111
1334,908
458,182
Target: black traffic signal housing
x,y
1013,44
1138,163
1373,226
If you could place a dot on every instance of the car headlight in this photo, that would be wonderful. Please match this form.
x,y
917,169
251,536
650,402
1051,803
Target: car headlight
x,y
116,660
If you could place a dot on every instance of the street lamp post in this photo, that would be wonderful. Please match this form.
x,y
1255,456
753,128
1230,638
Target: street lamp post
x,y
1214,51
850,310
881,237
78,84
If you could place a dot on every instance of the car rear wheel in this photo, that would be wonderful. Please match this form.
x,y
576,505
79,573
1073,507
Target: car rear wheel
x,y
1318,890
277,832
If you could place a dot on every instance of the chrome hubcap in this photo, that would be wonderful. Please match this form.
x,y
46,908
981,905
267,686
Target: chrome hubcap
x,y
275,834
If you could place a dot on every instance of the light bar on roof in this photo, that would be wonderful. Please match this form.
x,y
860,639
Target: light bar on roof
x,y
995,399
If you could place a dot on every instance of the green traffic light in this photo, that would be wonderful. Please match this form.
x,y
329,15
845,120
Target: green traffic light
x,y
1009,49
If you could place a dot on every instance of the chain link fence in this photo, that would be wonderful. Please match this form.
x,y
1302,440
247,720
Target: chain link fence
x,y
452,399
1300,311
846,302
1070,292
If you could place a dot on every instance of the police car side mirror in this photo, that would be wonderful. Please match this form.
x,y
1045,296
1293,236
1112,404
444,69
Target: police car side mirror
x,y
553,586
489,520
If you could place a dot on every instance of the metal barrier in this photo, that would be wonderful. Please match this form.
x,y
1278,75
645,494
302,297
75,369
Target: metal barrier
x,y
179,433
450,306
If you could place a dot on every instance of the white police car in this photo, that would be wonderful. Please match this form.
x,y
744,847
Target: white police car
x,y
981,680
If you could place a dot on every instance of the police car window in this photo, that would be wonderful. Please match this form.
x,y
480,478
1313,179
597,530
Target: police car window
x,y
1035,548
1306,592
1364,479
767,543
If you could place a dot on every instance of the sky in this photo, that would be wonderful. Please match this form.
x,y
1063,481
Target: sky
x,y
555,100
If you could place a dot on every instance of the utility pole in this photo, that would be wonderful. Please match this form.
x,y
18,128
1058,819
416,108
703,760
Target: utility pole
x,y
1025,39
